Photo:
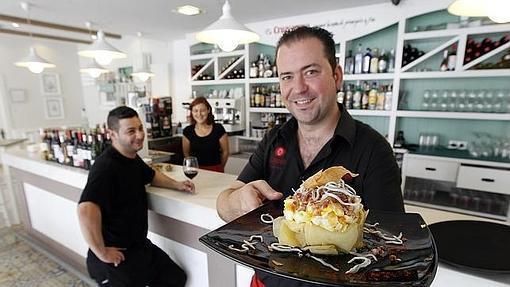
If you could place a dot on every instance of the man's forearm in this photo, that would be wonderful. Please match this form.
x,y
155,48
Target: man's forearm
x,y
161,180
89,216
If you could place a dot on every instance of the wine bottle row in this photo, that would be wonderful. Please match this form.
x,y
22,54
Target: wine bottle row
x,y
262,96
78,148
476,49
370,62
366,96
262,68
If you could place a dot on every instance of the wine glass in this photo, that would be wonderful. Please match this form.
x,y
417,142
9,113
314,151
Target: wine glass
x,y
190,166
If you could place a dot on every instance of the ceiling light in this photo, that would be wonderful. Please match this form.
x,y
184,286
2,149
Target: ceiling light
x,y
188,10
34,62
102,51
94,69
226,32
143,73
496,10
15,25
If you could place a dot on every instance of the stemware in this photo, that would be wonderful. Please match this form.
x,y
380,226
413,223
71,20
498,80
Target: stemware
x,y
190,166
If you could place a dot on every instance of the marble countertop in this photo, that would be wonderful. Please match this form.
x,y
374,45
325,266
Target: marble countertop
x,y
197,209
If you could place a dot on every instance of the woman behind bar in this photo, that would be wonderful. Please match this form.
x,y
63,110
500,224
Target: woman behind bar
x,y
204,138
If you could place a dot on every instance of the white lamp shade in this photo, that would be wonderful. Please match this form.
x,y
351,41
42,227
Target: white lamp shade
x,y
226,32
143,75
102,51
94,70
498,10
471,8
34,62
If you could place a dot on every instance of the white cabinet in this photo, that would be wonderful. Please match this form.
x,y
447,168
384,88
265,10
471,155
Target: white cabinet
x,y
484,179
479,188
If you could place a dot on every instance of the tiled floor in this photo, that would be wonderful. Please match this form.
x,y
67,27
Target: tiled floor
x,y
24,264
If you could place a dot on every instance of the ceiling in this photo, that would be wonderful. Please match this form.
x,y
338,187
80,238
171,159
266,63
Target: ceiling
x,y
155,19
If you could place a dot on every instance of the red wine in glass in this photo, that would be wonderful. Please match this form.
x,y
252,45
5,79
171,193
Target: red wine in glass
x,y
190,166
191,173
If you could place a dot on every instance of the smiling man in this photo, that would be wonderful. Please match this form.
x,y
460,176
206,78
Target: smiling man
x,y
113,211
321,134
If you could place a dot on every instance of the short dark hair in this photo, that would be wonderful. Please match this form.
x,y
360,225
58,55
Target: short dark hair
x,y
198,101
117,114
303,32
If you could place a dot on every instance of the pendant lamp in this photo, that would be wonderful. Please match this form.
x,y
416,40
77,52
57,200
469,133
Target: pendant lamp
x,y
226,32
35,63
102,51
94,69
496,10
143,72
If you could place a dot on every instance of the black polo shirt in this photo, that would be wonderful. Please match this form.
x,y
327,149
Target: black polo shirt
x,y
354,145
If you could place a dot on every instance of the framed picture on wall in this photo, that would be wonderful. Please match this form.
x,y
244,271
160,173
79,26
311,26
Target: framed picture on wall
x,y
50,84
54,108
18,95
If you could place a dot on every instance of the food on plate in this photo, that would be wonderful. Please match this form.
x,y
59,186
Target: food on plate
x,y
324,216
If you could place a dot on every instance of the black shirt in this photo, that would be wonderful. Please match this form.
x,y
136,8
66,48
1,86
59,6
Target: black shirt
x,y
117,184
354,145
207,149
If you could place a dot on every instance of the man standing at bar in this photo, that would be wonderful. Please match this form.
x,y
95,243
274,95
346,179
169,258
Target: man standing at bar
x,y
113,211
321,134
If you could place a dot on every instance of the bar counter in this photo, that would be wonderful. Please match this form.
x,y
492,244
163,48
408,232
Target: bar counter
x,y
46,194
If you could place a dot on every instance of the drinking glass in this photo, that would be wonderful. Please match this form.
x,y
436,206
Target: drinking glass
x,y
425,104
462,101
434,100
190,166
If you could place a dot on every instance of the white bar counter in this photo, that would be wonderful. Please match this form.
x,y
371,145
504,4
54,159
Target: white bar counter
x,y
47,194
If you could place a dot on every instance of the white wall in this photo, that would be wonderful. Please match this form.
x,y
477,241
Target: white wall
x,y
29,115
180,78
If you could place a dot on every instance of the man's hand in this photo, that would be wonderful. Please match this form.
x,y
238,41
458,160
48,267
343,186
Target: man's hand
x,y
111,255
242,198
186,186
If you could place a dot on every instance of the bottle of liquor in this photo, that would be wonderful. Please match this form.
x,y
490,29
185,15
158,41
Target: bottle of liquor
x,y
380,98
340,95
366,61
349,64
452,58
349,96
388,97
252,97
374,61
391,61
364,96
383,62
444,63
372,97
358,61
356,97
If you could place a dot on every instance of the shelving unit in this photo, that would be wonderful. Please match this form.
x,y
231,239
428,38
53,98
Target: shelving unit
x,y
394,36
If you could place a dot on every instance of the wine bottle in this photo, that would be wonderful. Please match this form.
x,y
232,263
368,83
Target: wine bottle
x,y
374,62
358,61
383,62
366,61
349,64
452,58
391,61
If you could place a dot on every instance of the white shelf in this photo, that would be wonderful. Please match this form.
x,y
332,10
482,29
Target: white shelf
x,y
457,74
219,55
263,80
361,77
218,82
456,32
370,113
269,110
431,53
454,115
454,209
